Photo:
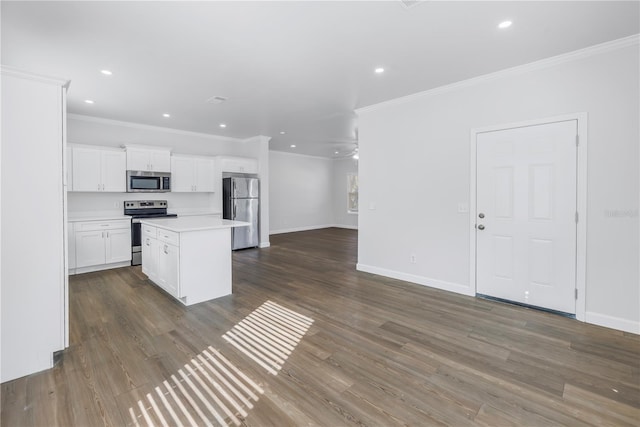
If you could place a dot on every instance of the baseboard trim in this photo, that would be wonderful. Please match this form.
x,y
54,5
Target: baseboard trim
x,y
311,227
264,245
347,227
612,322
419,280
93,268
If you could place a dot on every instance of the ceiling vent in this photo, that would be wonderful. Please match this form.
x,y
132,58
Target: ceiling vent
x,y
411,3
216,100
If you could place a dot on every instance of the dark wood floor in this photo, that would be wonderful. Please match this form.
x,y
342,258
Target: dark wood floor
x,y
379,352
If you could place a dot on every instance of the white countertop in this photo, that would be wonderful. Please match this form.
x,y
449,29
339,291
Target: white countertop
x,y
193,223
97,217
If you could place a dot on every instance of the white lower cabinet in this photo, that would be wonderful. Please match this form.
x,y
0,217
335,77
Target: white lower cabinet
x,y
100,243
168,267
192,266
161,258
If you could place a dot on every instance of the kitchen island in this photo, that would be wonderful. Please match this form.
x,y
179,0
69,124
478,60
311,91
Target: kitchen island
x,y
189,257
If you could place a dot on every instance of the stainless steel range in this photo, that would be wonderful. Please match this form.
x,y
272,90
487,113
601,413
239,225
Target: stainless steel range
x,y
139,209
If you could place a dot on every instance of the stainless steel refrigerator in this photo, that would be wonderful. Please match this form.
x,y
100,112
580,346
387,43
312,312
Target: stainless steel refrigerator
x,y
241,202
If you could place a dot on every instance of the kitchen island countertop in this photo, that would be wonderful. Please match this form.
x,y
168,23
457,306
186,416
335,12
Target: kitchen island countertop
x,y
192,223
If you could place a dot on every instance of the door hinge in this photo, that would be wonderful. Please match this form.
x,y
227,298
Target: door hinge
x,y
577,140
576,293
576,217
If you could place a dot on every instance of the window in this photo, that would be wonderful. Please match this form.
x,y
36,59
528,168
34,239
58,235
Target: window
x,y
352,193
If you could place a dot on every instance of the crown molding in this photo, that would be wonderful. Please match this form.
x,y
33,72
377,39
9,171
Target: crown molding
x,y
552,61
300,155
16,72
100,120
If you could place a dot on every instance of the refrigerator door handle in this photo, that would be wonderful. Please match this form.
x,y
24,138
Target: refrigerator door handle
x,y
233,192
234,210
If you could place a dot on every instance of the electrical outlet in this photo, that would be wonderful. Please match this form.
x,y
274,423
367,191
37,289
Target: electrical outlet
x,y
412,258
463,207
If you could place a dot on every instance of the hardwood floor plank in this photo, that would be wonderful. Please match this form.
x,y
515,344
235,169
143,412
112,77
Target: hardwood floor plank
x,y
380,352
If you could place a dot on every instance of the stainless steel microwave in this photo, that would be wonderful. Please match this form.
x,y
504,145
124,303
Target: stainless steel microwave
x,y
148,182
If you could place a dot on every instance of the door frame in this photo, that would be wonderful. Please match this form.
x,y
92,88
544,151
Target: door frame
x,y
581,198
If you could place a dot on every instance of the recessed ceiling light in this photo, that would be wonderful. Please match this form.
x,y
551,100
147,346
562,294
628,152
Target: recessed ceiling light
x,y
106,72
356,156
88,101
222,125
292,146
379,70
335,152
282,132
166,115
504,24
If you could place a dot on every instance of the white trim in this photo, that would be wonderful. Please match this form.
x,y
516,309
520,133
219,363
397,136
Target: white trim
x,y
132,125
264,245
296,229
16,72
613,322
519,69
420,280
312,227
348,227
300,155
100,267
581,201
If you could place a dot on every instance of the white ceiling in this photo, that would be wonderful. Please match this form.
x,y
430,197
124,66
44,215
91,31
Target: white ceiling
x,y
301,67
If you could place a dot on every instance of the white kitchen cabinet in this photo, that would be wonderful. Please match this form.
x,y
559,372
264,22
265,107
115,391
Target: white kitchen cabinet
x,y
161,258
237,164
149,254
191,256
97,169
100,243
69,169
168,267
140,159
71,246
192,174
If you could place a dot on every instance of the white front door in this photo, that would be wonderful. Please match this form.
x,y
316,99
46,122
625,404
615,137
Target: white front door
x,y
526,215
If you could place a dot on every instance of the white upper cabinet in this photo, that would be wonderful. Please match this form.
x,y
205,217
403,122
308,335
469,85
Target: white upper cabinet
x,y
96,169
237,164
192,174
140,159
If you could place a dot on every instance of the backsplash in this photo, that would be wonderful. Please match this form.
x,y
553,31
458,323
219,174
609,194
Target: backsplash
x,y
111,203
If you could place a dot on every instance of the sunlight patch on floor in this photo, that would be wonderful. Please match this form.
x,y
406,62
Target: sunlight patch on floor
x,y
269,334
209,391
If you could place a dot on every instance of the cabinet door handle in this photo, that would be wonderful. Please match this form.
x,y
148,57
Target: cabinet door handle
x,y
147,242
166,249
98,187
107,234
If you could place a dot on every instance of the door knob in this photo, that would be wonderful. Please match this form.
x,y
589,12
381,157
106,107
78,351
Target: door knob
x,y
481,227
480,215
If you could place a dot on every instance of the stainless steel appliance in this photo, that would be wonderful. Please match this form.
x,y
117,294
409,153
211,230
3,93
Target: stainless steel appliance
x,y
148,182
241,202
139,209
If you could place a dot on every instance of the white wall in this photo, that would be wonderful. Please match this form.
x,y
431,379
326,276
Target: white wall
x,y
111,133
342,167
32,244
424,139
300,192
